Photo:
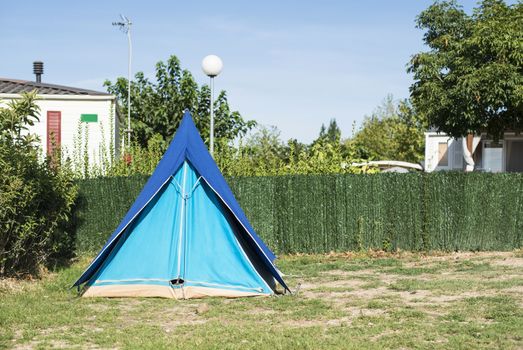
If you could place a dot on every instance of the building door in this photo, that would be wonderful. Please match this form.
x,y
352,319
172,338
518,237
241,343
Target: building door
x,y
54,131
514,155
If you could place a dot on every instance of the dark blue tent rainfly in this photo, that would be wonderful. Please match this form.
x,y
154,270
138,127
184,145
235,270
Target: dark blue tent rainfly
x,y
185,236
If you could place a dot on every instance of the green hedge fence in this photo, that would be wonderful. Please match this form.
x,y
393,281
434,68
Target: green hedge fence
x,y
322,213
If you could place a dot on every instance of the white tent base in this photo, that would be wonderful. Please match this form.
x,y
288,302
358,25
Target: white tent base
x,y
144,290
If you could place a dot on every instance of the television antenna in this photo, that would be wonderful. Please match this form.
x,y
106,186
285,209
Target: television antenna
x,y
125,26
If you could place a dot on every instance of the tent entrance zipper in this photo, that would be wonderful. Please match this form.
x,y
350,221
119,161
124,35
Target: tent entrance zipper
x,y
181,252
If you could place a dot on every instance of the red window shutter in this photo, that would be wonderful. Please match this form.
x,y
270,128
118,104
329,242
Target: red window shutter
x,y
54,130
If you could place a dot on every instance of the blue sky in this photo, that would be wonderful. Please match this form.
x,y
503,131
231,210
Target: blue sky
x,y
292,64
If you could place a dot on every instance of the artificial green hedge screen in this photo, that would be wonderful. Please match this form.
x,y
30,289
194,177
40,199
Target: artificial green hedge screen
x,y
322,213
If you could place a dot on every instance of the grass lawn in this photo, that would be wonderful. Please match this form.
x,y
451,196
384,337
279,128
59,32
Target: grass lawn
x,y
345,301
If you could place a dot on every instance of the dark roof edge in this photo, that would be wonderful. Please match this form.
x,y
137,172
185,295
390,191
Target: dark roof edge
x,y
19,86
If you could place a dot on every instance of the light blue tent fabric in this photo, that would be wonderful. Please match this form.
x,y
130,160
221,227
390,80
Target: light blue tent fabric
x,y
193,240
185,229
216,238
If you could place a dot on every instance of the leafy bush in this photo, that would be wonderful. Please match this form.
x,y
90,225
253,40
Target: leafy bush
x,y
36,197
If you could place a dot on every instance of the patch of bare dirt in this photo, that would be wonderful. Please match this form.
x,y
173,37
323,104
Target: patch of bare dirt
x,y
52,344
432,303
262,311
349,274
508,261
349,284
175,315
352,313
99,307
355,312
304,323
384,334
13,285
427,260
371,293
341,273
57,344
517,290
169,323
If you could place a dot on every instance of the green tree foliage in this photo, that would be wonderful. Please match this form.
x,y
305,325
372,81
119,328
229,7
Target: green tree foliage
x,y
393,132
471,79
265,154
331,134
15,120
157,106
264,150
36,197
262,153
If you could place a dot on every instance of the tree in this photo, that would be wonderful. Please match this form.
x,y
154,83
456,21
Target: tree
x,y
410,133
471,79
264,150
333,131
157,107
393,132
330,134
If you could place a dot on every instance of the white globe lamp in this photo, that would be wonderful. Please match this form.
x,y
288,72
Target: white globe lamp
x,y
212,65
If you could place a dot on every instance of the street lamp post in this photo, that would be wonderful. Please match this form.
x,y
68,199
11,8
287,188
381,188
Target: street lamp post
x,y
125,26
212,66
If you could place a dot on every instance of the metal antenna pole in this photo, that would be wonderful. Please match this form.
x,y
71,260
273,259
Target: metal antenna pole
x,y
129,85
125,26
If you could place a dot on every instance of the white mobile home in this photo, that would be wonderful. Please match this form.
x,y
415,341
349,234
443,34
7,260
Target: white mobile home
x,y
64,111
478,152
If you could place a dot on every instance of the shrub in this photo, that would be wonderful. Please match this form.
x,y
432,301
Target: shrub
x,y
36,197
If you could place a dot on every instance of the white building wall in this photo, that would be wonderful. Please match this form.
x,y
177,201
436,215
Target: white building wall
x,y
71,109
432,152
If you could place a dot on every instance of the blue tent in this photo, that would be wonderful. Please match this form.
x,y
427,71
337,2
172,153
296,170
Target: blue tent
x,y
185,236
